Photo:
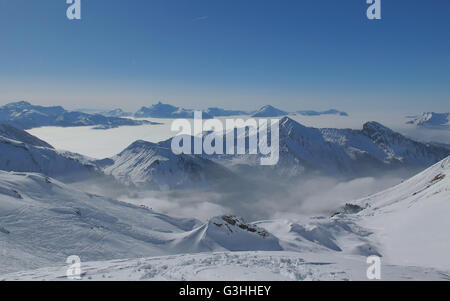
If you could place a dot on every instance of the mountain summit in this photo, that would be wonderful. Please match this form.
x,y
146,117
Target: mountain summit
x,y
432,120
269,111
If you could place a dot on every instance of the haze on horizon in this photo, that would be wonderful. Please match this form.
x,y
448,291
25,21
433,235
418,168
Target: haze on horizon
x,y
231,54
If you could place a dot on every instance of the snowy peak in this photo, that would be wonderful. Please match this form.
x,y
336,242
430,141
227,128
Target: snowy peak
x,y
431,119
229,233
161,110
404,150
340,152
154,166
141,145
290,124
350,152
218,112
269,111
116,113
374,127
158,110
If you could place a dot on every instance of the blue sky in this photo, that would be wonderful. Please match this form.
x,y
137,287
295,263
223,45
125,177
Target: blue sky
x,y
299,54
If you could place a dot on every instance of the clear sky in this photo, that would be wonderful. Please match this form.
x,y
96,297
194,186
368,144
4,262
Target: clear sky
x,y
294,54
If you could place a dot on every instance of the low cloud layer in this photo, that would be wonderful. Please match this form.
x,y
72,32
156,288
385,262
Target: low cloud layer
x,y
311,196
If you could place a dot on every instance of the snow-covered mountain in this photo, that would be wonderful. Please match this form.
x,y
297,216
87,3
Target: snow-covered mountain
x,y
161,110
269,111
24,115
22,152
406,225
432,120
341,152
218,112
228,233
43,221
318,113
155,166
411,220
10,132
116,113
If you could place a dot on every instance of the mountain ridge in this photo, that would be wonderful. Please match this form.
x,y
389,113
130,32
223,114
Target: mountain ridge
x,y
26,116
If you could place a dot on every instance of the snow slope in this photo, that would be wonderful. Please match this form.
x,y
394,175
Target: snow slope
x,y
43,221
407,225
411,220
13,133
34,155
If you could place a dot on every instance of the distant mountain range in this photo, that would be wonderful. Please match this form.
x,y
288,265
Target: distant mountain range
x,y
24,115
161,110
107,113
338,152
302,150
218,112
316,113
431,120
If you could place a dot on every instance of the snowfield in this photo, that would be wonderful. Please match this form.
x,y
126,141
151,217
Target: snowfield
x,y
43,221
411,220
406,225
233,266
